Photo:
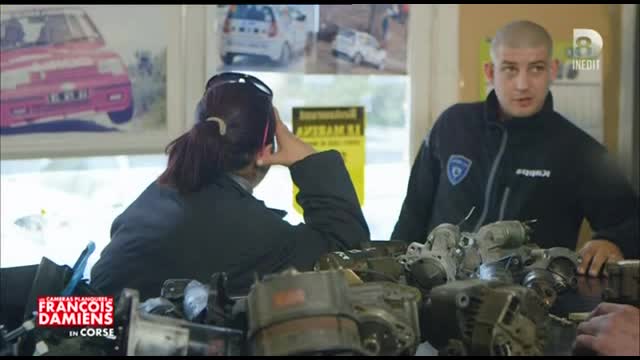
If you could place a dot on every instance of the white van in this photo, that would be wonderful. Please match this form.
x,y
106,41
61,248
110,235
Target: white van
x,y
277,32
359,47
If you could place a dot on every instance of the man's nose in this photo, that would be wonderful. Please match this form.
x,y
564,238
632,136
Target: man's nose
x,y
522,81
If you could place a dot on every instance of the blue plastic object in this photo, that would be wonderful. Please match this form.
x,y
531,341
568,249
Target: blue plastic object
x,y
78,269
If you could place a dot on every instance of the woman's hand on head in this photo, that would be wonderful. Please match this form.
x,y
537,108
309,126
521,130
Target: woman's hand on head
x,y
291,149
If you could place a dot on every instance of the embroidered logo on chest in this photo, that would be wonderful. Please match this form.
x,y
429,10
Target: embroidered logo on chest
x,y
457,168
542,173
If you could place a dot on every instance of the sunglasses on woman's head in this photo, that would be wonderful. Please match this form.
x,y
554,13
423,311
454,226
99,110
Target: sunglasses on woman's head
x,y
233,78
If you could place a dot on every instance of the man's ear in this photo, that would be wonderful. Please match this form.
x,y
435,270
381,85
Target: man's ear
x,y
489,72
555,65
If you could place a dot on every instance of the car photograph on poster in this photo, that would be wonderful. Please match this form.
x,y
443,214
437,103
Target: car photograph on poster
x,y
57,65
277,33
359,47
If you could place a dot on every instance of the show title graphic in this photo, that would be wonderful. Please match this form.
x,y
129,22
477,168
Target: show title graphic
x,y
90,315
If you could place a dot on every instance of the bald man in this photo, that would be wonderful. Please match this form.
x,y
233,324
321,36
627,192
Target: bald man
x,y
512,157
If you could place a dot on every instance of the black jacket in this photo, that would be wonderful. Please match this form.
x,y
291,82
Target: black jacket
x,y
541,167
223,228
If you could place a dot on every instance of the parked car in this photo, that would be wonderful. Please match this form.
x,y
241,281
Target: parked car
x,y
277,32
56,64
360,47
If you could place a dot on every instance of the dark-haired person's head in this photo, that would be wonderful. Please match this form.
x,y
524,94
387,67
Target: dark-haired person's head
x,y
234,124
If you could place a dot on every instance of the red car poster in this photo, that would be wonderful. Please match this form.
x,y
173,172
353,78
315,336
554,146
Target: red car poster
x,y
82,68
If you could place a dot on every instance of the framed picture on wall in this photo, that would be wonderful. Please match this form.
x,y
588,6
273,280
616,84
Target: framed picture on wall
x,y
361,39
256,37
356,39
88,80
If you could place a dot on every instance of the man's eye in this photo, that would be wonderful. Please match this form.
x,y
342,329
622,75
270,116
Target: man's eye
x,y
538,68
509,69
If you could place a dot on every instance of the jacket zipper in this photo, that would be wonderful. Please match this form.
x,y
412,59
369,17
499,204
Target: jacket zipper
x,y
504,203
494,169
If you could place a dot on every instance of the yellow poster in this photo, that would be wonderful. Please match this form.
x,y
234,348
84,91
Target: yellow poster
x,y
334,128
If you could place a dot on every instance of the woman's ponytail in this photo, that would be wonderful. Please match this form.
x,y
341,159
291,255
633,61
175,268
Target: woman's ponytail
x,y
229,131
195,159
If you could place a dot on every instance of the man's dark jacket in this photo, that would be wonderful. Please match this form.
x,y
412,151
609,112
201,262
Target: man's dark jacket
x,y
223,228
540,168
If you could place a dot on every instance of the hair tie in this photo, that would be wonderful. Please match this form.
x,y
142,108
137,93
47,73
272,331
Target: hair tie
x,y
221,124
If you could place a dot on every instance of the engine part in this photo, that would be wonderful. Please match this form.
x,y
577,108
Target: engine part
x,y
161,306
323,313
501,269
508,256
388,317
196,302
302,313
370,264
624,282
478,317
551,272
449,254
153,335
384,248
501,239
542,283
437,261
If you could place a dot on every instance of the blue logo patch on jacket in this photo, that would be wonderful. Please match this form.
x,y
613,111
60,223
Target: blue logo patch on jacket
x,y
457,168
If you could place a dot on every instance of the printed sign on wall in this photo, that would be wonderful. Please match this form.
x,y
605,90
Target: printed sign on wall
x,y
335,128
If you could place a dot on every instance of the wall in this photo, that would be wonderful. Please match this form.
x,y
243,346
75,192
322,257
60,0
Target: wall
x,y
433,65
628,123
479,21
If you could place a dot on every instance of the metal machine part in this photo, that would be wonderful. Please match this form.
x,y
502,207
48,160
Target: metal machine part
x,y
498,270
501,239
508,256
147,334
295,313
542,282
196,302
321,313
551,272
388,317
478,317
449,254
370,264
624,282
383,248
437,261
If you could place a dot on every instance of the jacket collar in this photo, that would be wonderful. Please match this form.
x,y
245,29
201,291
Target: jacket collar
x,y
227,181
535,121
244,183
